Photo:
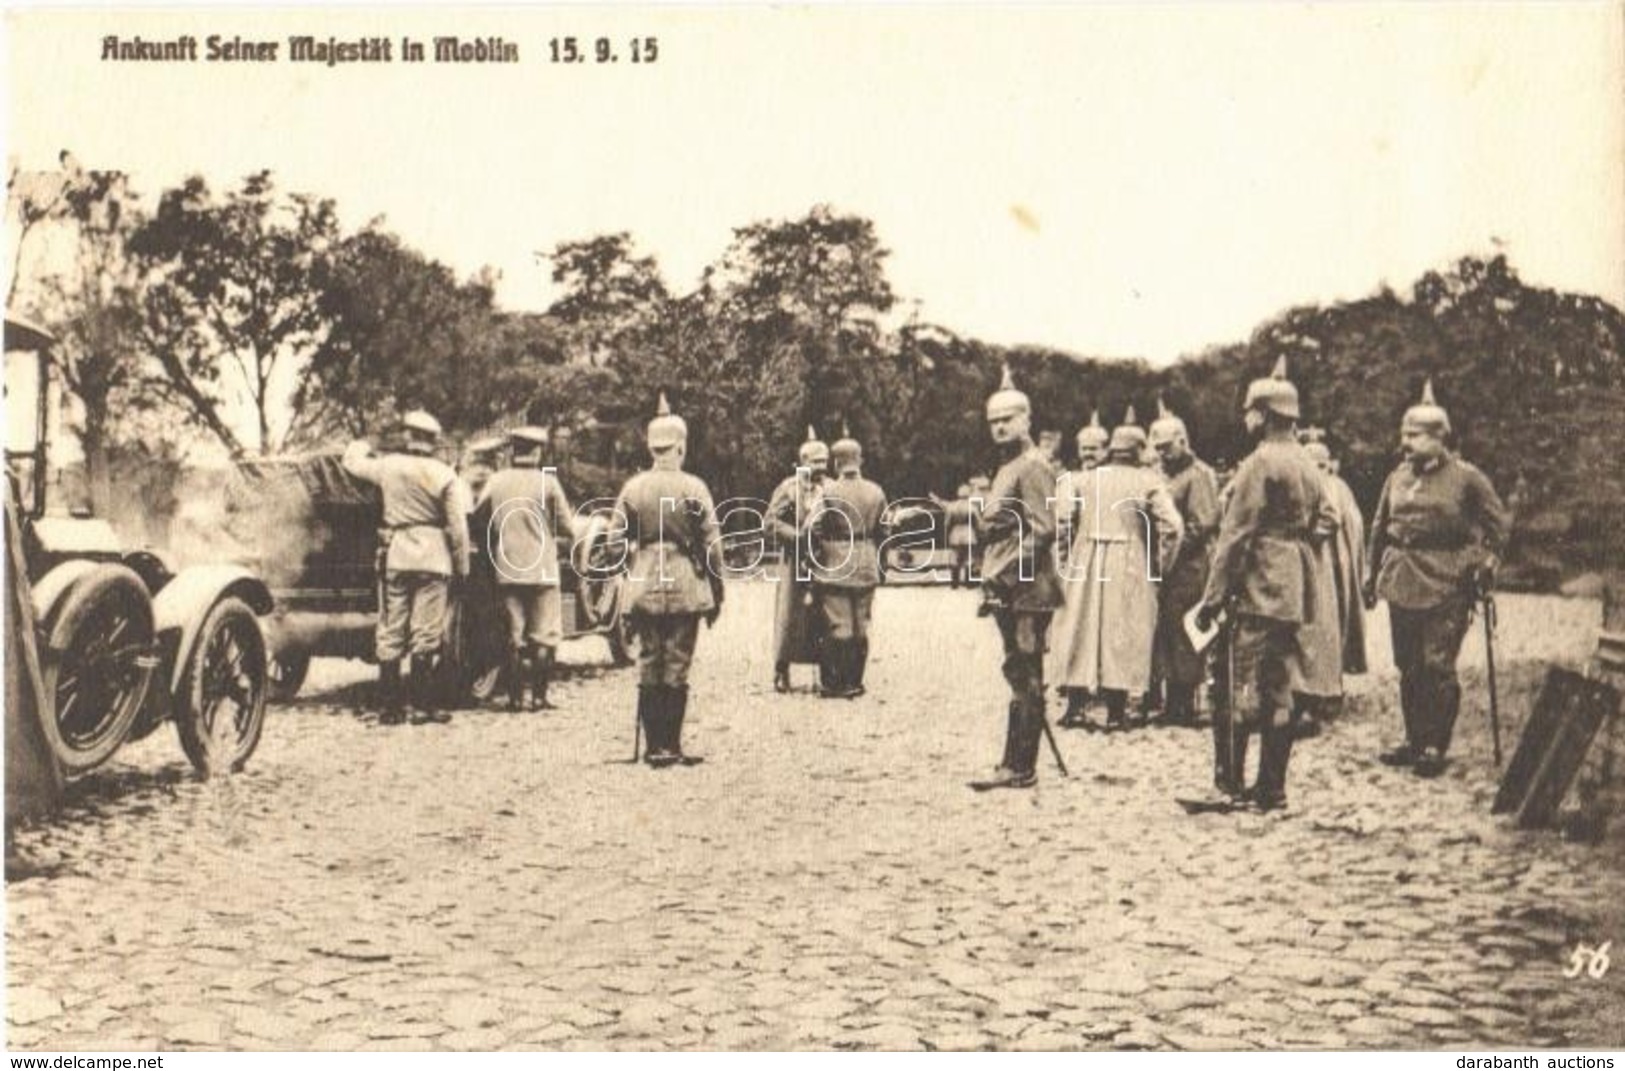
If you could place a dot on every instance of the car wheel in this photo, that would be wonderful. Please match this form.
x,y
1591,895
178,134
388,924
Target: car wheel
x,y
220,707
98,666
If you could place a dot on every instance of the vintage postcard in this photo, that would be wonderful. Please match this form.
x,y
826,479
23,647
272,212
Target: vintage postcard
x,y
816,527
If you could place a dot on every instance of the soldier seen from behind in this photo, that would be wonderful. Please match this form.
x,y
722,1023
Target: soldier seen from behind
x,y
1436,541
528,514
423,546
1262,577
843,530
674,580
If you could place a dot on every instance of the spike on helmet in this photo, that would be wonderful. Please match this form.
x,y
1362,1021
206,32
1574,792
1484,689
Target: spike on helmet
x,y
1092,436
1007,401
1274,394
666,429
813,451
1167,427
1426,415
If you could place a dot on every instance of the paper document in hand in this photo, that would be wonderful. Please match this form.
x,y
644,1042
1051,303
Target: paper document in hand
x,y
1201,638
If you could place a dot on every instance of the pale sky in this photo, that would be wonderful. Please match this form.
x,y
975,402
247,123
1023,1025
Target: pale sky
x,y
1112,180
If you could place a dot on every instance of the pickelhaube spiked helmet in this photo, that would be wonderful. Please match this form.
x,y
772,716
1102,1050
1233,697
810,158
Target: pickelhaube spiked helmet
x,y
1092,435
666,429
1127,436
1426,415
1167,427
846,453
813,451
420,421
1007,401
1275,394
1319,453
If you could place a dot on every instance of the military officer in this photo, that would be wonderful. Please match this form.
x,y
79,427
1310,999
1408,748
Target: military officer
x,y
424,537
1262,572
796,629
1194,491
528,516
674,580
1071,486
1436,540
1105,634
1021,588
1348,556
843,531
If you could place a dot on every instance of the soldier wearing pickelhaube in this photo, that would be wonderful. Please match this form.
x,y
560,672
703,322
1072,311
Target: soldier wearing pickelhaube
x,y
1194,490
1020,586
796,618
1262,573
423,545
844,533
1436,541
527,514
1104,637
1072,486
674,580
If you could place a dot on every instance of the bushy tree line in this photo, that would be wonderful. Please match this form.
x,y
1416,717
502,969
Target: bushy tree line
x,y
255,294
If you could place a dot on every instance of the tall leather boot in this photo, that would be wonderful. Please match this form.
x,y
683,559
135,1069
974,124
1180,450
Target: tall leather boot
x,y
541,673
835,669
859,655
662,726
1448,705
649,717
389,692
425,691
678,698
516,678
1405,754
1181,705
1270,792
1011,721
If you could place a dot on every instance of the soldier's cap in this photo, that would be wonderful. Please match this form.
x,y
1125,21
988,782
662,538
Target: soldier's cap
x,y
667,429
1167,427
813,451
420,421
485,445
528,437
1007,401
1275,393
1127,437
1426,415
1092,436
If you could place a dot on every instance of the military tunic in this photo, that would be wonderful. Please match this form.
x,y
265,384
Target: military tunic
x,y
1349,556
1194,491
1435,525
795,609
1263,567
424,532
1105,634
1320,641
671,525
528,514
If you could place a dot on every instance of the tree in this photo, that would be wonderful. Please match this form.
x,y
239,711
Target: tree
x,y
233,299
612,298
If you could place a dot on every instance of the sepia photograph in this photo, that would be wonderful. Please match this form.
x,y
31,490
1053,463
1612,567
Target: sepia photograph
x,y
818,527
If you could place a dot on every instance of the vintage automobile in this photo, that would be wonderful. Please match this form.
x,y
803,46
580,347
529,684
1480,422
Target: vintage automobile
x,y
126,642
311,528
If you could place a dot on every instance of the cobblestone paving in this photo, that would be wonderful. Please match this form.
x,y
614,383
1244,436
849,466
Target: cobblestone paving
x,y
824,880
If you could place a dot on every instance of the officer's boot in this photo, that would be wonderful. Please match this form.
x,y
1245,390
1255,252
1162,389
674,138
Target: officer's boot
x,y
389,692
663,735
829,668
859,662
649,718
541,674
1270,792
1440,718
1409,707
1029,736
1012,719
516,678
425,690
679,711
1181,707
1229,756
1116,707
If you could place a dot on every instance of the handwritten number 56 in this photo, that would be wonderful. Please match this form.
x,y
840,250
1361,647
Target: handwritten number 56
x,y
1592,961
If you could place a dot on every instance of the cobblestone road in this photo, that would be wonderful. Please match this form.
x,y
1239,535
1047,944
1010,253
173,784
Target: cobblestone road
x,y
824,880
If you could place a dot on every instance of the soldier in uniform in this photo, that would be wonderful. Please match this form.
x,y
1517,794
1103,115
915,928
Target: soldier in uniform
x,y
674,580
1195,494
528,516
1105,635
424,545
1262,572
481,458
843,531
957,518
795,611
1348,556
1021,588
1436,541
